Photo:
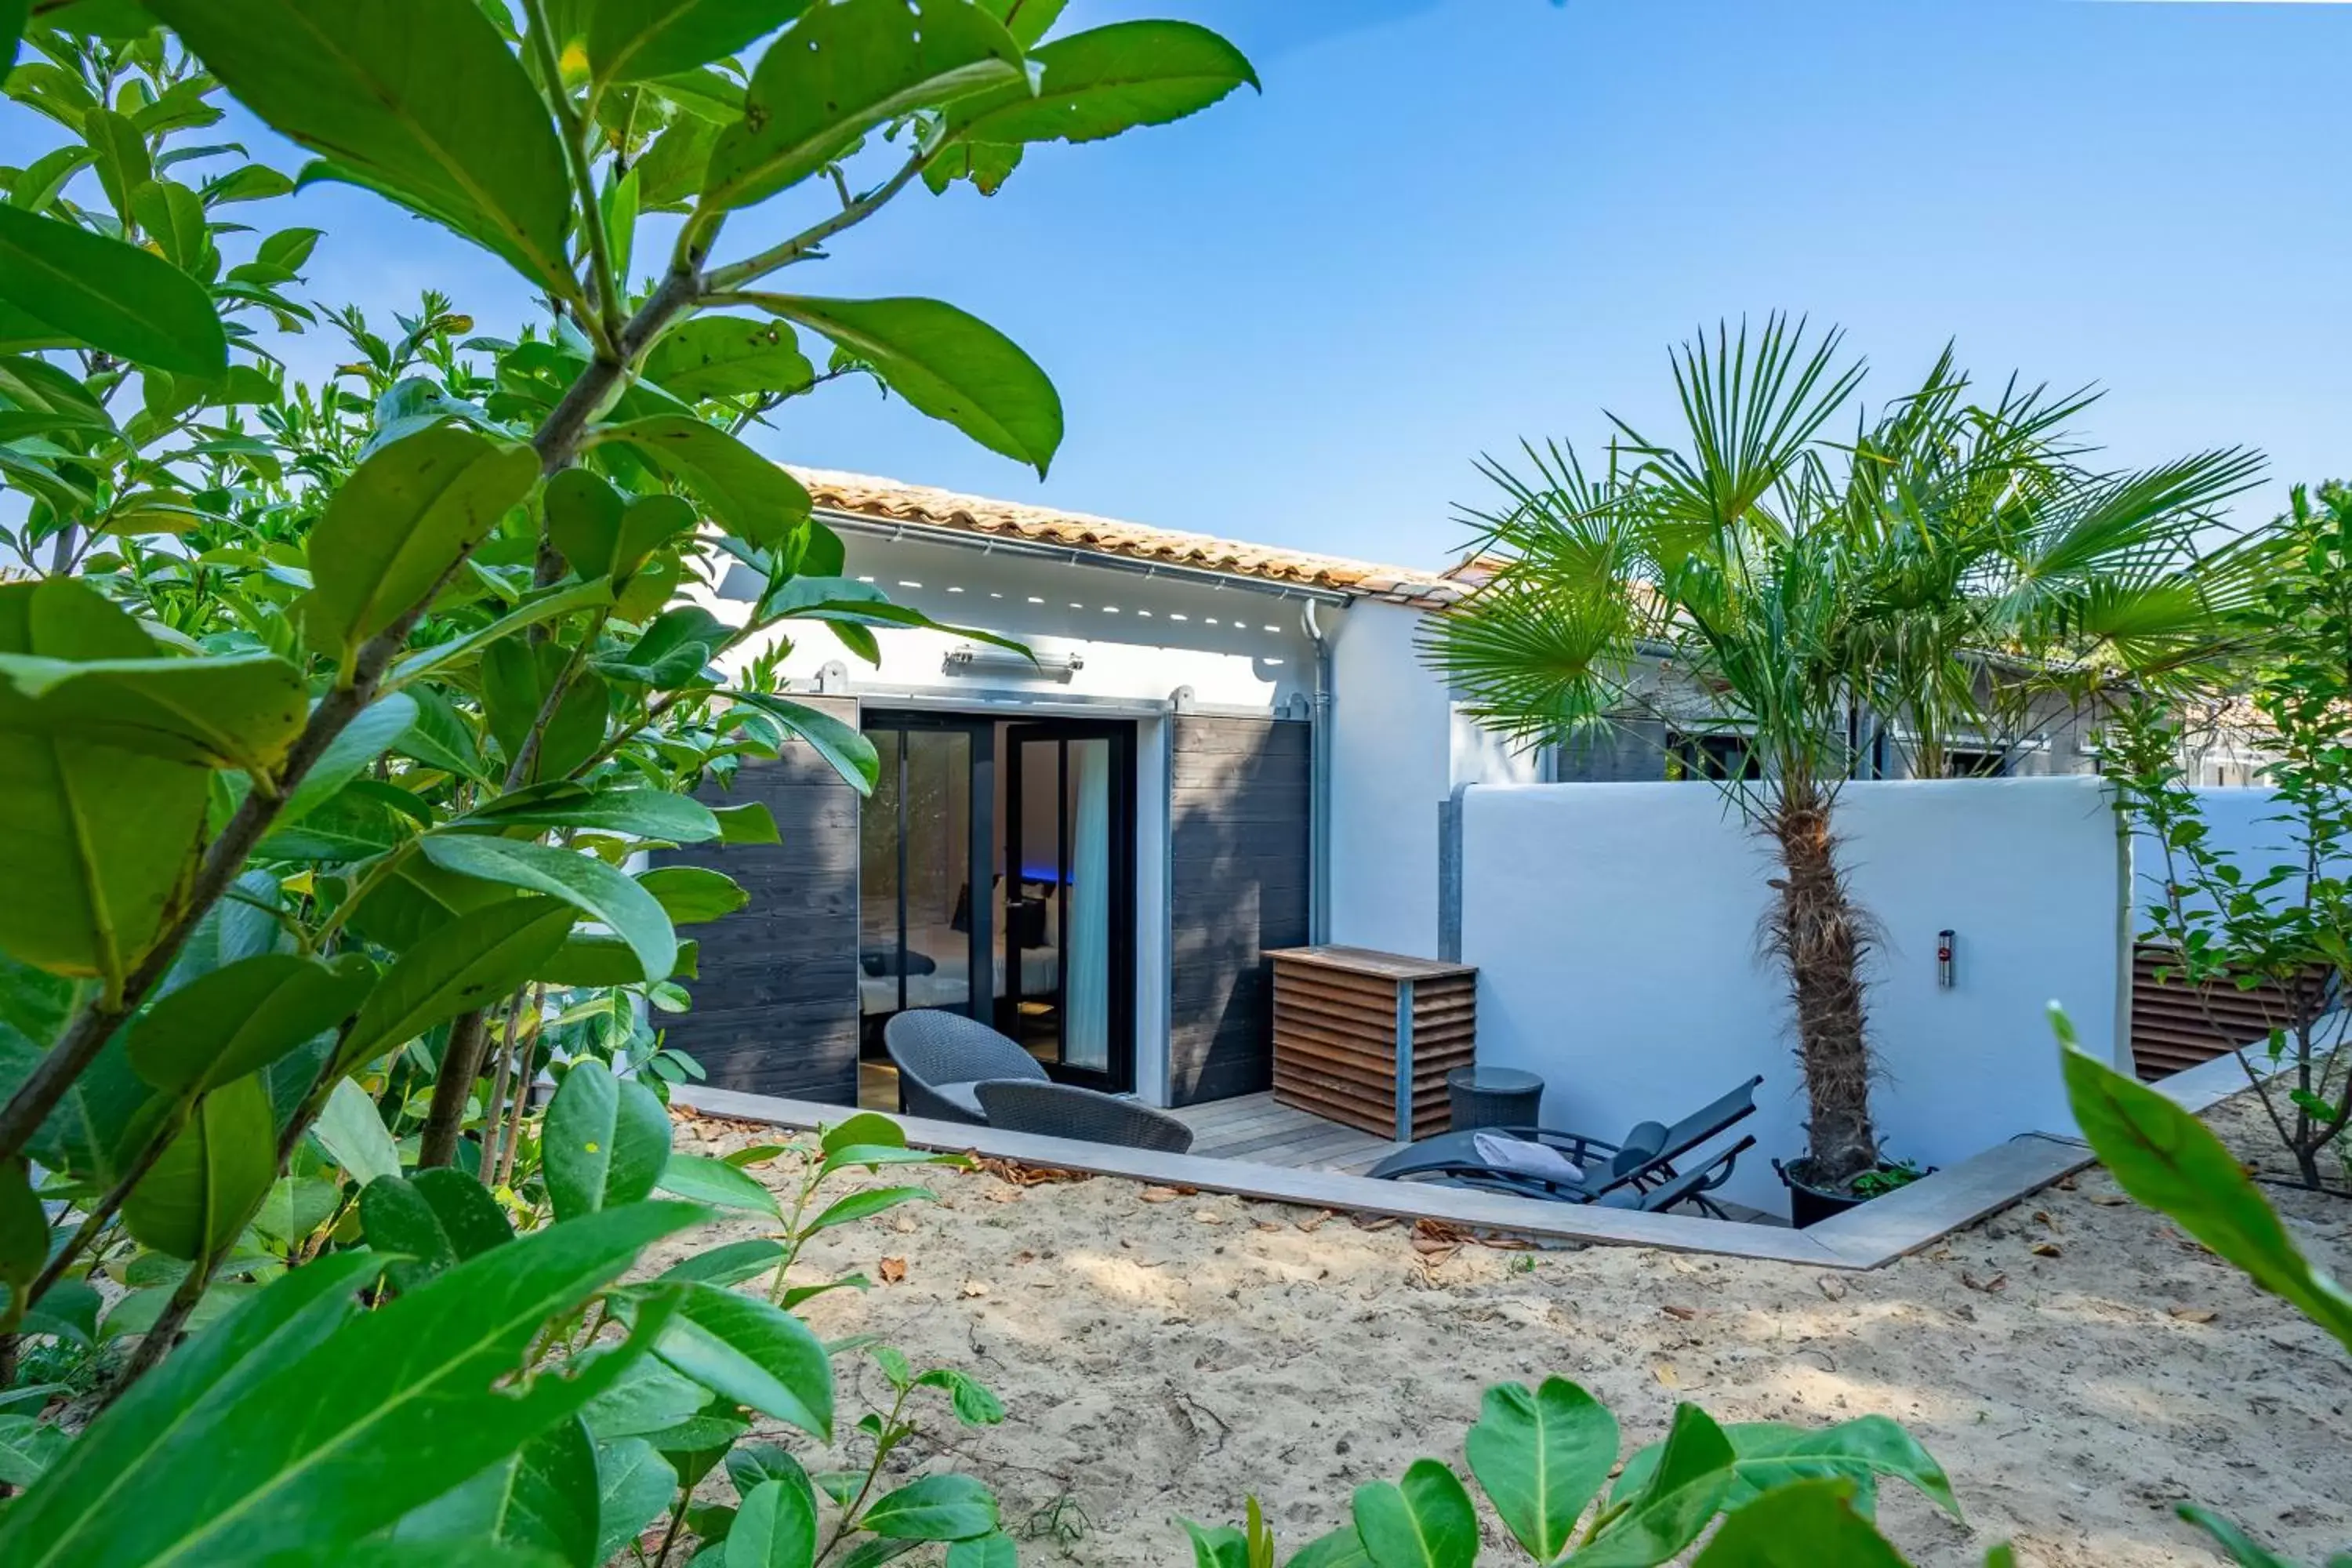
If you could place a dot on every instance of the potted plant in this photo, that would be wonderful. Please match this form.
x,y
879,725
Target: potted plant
x,y
1817,605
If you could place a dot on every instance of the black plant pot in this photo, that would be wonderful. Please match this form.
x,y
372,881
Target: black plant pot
x,y
1810,1204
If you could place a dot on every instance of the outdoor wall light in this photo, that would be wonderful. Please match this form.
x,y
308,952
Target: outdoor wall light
x,y
1944,958
1005,661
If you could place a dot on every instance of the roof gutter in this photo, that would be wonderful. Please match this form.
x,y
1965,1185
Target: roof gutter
x,y
1318,815
1071,555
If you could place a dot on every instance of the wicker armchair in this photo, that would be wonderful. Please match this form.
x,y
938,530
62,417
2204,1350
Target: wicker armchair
x,y
940,1057
1063,1110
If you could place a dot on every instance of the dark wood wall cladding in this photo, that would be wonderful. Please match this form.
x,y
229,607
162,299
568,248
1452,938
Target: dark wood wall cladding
x,y
2174,1028
1240,794
775,1009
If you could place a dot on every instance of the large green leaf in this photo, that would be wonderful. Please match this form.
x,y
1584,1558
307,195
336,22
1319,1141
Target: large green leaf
x,y
240,1018
2171,1161
634,1488
776,1526
106,836
1683,1493
728,356
1105,81
749,1351
352,1131
420,101
841,70
1802,1525
593,960
588,884
534,610
432,1221
543,1497
340,1438
645,812
842,746
604,1142
100,1124
238,710
378,727
481,955
23,1240
947,364
210,1176
1541,1458
704,1180
631,40
1769,1454
283,1322
109,295
754,497
691,894
936,1507
1424,1521
403,520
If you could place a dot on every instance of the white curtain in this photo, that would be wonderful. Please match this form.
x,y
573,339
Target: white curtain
x,y
1085,966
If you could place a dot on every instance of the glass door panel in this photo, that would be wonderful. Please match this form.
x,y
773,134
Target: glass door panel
x,y
1069,926
917,854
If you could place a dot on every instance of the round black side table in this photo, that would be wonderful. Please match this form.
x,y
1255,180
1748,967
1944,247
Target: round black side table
x,y
1494,1097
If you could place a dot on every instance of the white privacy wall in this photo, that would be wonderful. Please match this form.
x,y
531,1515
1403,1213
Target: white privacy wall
x,y
1392,726
2242,823
1615,930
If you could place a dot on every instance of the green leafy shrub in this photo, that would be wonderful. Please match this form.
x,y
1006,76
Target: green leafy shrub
x,y
334,718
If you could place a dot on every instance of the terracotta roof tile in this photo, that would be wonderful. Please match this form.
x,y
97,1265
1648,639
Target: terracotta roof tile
x,y
889,501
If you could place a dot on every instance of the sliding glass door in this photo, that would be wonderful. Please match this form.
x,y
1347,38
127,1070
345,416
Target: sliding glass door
x,y
1069,900
923,845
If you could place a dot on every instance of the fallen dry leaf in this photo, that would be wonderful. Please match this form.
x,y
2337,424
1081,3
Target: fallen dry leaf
x,y
1160,1194
1269,1224
893,1270
1315,1221
2195,1314
1665,1373
1027,1175
2109,1200
2045,1249
1992,1287
972,1287
1208,1217
1680,1314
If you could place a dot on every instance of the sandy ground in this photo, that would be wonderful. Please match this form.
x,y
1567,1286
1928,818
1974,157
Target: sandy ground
x,y
2076,1363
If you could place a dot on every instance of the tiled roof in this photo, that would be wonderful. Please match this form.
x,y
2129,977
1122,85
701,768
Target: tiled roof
x,y
888,501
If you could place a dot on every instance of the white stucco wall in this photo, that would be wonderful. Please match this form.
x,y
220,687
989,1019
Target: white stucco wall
x,y
1615,929
1392,740
1138,638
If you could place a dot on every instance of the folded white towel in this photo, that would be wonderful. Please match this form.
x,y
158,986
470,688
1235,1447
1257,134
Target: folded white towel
x,y
1521,1157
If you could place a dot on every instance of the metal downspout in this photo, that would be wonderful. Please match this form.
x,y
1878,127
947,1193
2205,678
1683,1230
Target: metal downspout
x,y
1319,829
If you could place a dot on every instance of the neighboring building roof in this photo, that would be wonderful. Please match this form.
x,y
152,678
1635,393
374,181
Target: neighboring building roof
x,y
888,501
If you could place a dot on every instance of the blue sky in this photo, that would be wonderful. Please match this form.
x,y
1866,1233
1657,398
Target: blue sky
x,y
1448,224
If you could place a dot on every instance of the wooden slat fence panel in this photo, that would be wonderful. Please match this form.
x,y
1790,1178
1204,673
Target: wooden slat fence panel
x,y
1239,797
775,1009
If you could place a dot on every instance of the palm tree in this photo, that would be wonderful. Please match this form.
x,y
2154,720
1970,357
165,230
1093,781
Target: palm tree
x,y
1951,570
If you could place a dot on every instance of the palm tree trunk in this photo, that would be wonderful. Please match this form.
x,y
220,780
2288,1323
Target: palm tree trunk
x,y
1820,936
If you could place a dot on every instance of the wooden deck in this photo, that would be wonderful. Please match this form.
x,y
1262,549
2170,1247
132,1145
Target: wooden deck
x,y
1254,1128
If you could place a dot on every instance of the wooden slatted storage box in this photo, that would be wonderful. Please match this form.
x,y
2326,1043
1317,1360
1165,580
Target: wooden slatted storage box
x,y
1366,1039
